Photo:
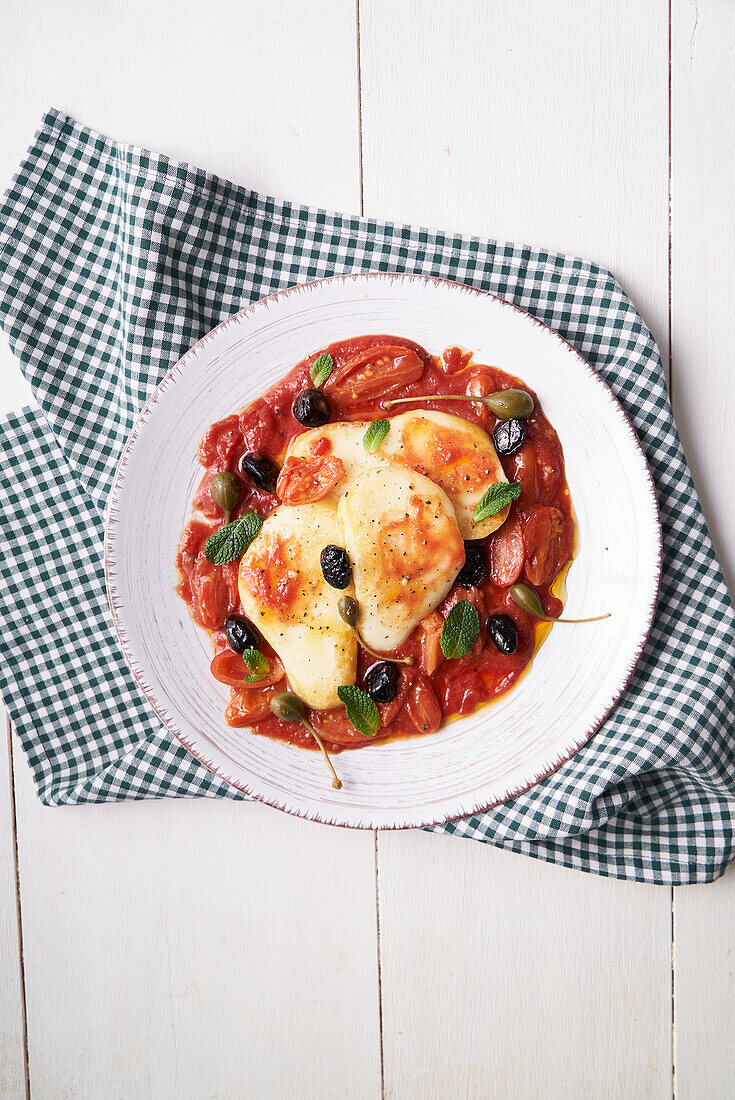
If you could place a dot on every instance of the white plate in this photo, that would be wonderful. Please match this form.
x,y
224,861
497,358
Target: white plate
x,y
577,675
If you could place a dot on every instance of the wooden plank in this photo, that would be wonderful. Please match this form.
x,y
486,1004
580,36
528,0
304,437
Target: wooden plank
x,y
538,123
254,92
703,330
12,1035
197,948
206,948
545,124
519,980
703,251
704,989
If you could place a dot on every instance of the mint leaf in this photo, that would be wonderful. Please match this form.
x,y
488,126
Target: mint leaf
x,y
321,368
495,499
231,541
375,435
461,629
361,710
257,662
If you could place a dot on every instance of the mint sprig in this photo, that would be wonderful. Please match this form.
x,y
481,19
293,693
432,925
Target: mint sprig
x,y
375,434
461,629
231,541
257,662
321,368
495,499
361,710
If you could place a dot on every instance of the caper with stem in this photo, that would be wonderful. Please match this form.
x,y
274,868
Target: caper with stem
x,y
506,404
528,600
289,708
349,611
225,490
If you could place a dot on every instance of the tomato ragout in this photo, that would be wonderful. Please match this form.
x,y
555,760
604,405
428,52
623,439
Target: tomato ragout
x,y
533,544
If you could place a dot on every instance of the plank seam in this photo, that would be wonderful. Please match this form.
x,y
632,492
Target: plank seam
x,y
18,907
671,398
380,975
359,104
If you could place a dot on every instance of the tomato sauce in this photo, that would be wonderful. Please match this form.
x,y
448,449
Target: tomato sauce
x,y
534,544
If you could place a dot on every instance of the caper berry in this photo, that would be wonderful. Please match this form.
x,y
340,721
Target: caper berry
x,y
528,599
474,570
509,436
311,408
288,707
381,681
260,470
510,404
349,610
241,634
501,630
336,566
225,490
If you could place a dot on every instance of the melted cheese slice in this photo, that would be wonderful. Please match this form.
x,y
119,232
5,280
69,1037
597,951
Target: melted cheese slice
x,y
405,547
460,457
283,592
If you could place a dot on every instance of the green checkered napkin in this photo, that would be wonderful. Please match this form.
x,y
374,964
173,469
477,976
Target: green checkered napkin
x,y
114,261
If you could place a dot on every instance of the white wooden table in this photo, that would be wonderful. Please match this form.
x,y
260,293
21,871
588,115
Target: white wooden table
x,y
209,949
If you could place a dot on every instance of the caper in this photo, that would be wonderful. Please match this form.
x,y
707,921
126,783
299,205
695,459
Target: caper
x,y
506,404
528,600
349,610
510,404
288,707
225,490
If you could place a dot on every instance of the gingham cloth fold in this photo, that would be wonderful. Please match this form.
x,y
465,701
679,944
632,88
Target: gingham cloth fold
x,y
114,261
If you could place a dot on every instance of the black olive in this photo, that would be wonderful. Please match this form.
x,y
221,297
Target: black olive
x,y
241,634
311,408
501,630
509,436
336,566
261,471
381,681
474,570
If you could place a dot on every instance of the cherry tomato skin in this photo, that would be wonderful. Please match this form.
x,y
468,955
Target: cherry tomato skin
x,y
548,539
507,553
303,480
422,705
373,374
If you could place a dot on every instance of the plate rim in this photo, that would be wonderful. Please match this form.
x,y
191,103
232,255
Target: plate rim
x,y
311,813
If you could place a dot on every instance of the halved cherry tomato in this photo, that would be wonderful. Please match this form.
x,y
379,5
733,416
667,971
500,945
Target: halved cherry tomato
x,y
480,385
422,705
548,539
219,444
453,359
525,470
374,373
506,553
230,668
388,711
246,707
335,727
303,480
